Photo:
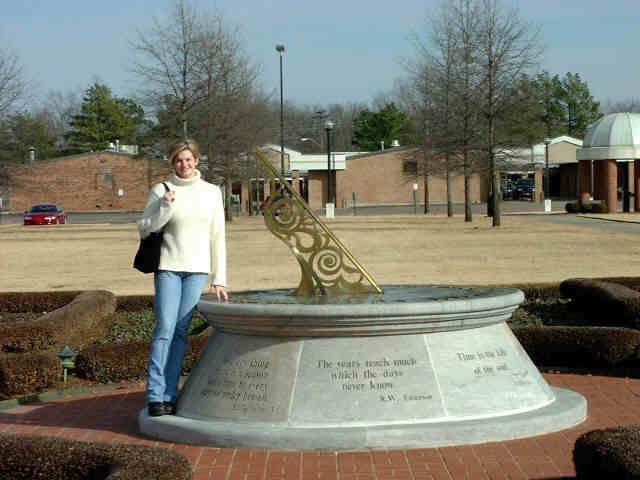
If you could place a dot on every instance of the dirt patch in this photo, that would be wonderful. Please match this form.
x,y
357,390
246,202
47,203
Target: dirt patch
x,y
394,249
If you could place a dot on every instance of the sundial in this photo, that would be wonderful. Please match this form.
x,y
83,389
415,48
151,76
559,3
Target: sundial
x,y
341,363
327,267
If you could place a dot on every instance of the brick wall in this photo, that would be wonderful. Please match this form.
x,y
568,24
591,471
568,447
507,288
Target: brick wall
x,y
89,181
379,178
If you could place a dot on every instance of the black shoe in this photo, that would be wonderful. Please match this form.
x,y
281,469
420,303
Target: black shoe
x,y
169,408
156,409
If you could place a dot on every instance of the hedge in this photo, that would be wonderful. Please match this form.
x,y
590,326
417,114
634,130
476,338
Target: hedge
x,y
127,361
630,282
592,206
614,303
25,373
37,302
604,347
84,318
135,303
609,453
26,457
538,291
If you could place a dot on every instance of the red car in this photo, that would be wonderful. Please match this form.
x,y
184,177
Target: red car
x,y
45,214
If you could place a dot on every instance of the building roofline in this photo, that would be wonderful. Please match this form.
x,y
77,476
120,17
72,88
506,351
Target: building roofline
x,y
379,152
75,155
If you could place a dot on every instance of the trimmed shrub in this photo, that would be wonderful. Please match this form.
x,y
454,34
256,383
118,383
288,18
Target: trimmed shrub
x,y
25,373
538,291
113,362
81,320
589,206
630,282
26,457
127,361
580,346
612,302
599,208
609,453
572,207
135,303
38,302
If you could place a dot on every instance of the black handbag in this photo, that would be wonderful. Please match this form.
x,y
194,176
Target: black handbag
x,y
147,257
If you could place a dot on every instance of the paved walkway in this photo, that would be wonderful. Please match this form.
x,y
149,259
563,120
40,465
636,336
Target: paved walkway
x,y
111,417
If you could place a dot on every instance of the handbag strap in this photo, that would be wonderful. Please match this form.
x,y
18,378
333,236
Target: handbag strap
x,y
166,188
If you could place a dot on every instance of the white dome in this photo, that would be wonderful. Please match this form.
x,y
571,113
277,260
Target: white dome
x,y
615,136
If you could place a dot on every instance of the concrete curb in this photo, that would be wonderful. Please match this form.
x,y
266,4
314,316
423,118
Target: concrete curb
x,y
619,220
52,395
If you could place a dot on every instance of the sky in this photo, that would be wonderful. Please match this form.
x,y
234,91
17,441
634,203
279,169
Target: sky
x,y
336,50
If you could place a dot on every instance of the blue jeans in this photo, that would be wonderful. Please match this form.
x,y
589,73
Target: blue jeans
x,y
177,294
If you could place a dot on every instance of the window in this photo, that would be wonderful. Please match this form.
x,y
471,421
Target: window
x,y
410,167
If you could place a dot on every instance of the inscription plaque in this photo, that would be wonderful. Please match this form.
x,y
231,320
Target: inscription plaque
x,y
249,378
484,374
356,377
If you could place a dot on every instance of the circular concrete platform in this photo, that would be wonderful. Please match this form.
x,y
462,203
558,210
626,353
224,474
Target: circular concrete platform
x,y
436,366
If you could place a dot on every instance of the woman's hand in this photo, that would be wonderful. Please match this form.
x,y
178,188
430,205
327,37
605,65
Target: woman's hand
x,y
169,196
220,291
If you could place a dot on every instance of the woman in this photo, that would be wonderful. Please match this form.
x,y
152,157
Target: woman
x,y
191,214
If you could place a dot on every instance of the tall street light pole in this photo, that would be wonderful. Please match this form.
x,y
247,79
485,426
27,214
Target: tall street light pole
x,y
280,50
328,126
547,188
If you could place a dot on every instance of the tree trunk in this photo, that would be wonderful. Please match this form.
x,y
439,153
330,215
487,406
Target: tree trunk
x,y
426,194
495,191
228,214
449,188
183,112
468,216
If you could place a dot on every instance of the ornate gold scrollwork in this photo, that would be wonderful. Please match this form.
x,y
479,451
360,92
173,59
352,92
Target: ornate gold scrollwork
x,y
327,266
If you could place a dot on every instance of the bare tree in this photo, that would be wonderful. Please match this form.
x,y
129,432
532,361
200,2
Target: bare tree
x,y
464,76
231,114
13,84
435,75
164,62
60,107
464,15
414,96
631,105
63,105
508,47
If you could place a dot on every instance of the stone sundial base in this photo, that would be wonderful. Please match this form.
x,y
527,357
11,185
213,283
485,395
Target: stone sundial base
x,y
423,366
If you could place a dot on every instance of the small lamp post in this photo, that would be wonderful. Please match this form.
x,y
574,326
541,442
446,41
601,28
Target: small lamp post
x,y
328,126
280,50
547,188
67,360
415,198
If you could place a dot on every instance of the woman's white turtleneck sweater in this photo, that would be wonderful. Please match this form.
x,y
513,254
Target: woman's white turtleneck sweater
x,y
194,227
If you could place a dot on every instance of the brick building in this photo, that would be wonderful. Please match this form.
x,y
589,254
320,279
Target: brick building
x,y
376,178
87,181
388,177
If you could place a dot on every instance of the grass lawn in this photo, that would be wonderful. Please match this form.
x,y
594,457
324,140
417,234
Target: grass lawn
x,y
394,249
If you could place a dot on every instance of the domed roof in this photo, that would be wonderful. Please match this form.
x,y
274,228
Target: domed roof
x,y
615,136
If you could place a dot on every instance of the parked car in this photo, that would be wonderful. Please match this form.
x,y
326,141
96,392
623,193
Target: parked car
x,y
524,189
507,188
45,214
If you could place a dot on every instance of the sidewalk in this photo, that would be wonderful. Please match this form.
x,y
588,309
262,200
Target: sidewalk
x,y
111,417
